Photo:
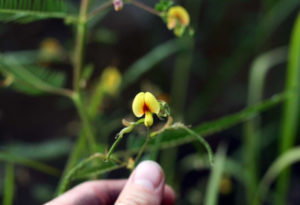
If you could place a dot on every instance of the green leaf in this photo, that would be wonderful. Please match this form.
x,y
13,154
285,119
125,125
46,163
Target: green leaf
x,y
285,160
24,11
173,137
163,5
33,79
50,149
7,157
89,167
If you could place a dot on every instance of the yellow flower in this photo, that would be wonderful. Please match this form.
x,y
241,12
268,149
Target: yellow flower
x,y
145,104
110,80
50,48
178,19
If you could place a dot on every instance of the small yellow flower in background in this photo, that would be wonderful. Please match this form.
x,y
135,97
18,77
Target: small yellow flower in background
x,y
110,80
130,163
178,19
50,48
145,104
225,185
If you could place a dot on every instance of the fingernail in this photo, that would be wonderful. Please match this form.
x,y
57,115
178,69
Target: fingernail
x,y
149,175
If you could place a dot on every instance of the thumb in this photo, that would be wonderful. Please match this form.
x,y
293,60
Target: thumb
x,y
144,187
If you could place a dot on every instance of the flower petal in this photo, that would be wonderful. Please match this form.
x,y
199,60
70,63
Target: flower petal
x,y
179,13
152,103
138,104
148,119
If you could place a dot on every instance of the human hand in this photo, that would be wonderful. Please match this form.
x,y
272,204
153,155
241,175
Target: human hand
x,y
145,186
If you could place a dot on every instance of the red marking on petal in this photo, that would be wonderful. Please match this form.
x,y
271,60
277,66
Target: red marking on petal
x,y
146,108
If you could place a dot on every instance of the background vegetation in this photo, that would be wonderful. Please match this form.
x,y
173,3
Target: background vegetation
x,y
236,81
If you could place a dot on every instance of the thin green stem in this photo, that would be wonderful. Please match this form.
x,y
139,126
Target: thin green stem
x,y
141,151
67,179
144,7
99,9
80,43
120,135
73,158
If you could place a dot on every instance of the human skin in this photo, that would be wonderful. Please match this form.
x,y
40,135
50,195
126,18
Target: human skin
x,y
145,186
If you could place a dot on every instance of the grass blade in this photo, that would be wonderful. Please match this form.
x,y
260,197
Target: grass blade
x,y
278,166
7,157
290,118
259,69
8,194
211,196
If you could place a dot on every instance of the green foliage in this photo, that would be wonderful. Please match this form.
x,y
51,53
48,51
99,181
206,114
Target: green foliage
x,y
24,72
32,79
173,136
261,66
163,5
51,149
9,184
25,11
211,196
290,115
87,167
280,164
11,158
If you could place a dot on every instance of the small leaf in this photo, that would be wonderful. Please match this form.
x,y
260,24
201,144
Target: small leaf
x,y
33,79
25,11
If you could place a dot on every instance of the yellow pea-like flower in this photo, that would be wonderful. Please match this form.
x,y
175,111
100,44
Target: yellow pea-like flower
x,y
177,15
145,104
110,80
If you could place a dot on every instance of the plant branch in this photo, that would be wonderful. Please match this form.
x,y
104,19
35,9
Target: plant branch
x,y
99,9
85,119
145,7
80,43
120,135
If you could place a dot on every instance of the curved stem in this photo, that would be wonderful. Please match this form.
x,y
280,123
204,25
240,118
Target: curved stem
x,y
120,135
145,7
99,9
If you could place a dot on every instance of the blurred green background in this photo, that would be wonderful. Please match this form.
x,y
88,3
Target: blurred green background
x,y
203,78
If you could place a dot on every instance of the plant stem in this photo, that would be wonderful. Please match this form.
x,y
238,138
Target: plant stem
x,y
145,7
68,177
99,9
88,130
141,151
80,43
120,135
73,159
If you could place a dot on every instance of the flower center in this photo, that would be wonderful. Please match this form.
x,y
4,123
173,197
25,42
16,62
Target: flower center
x,y
146,108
